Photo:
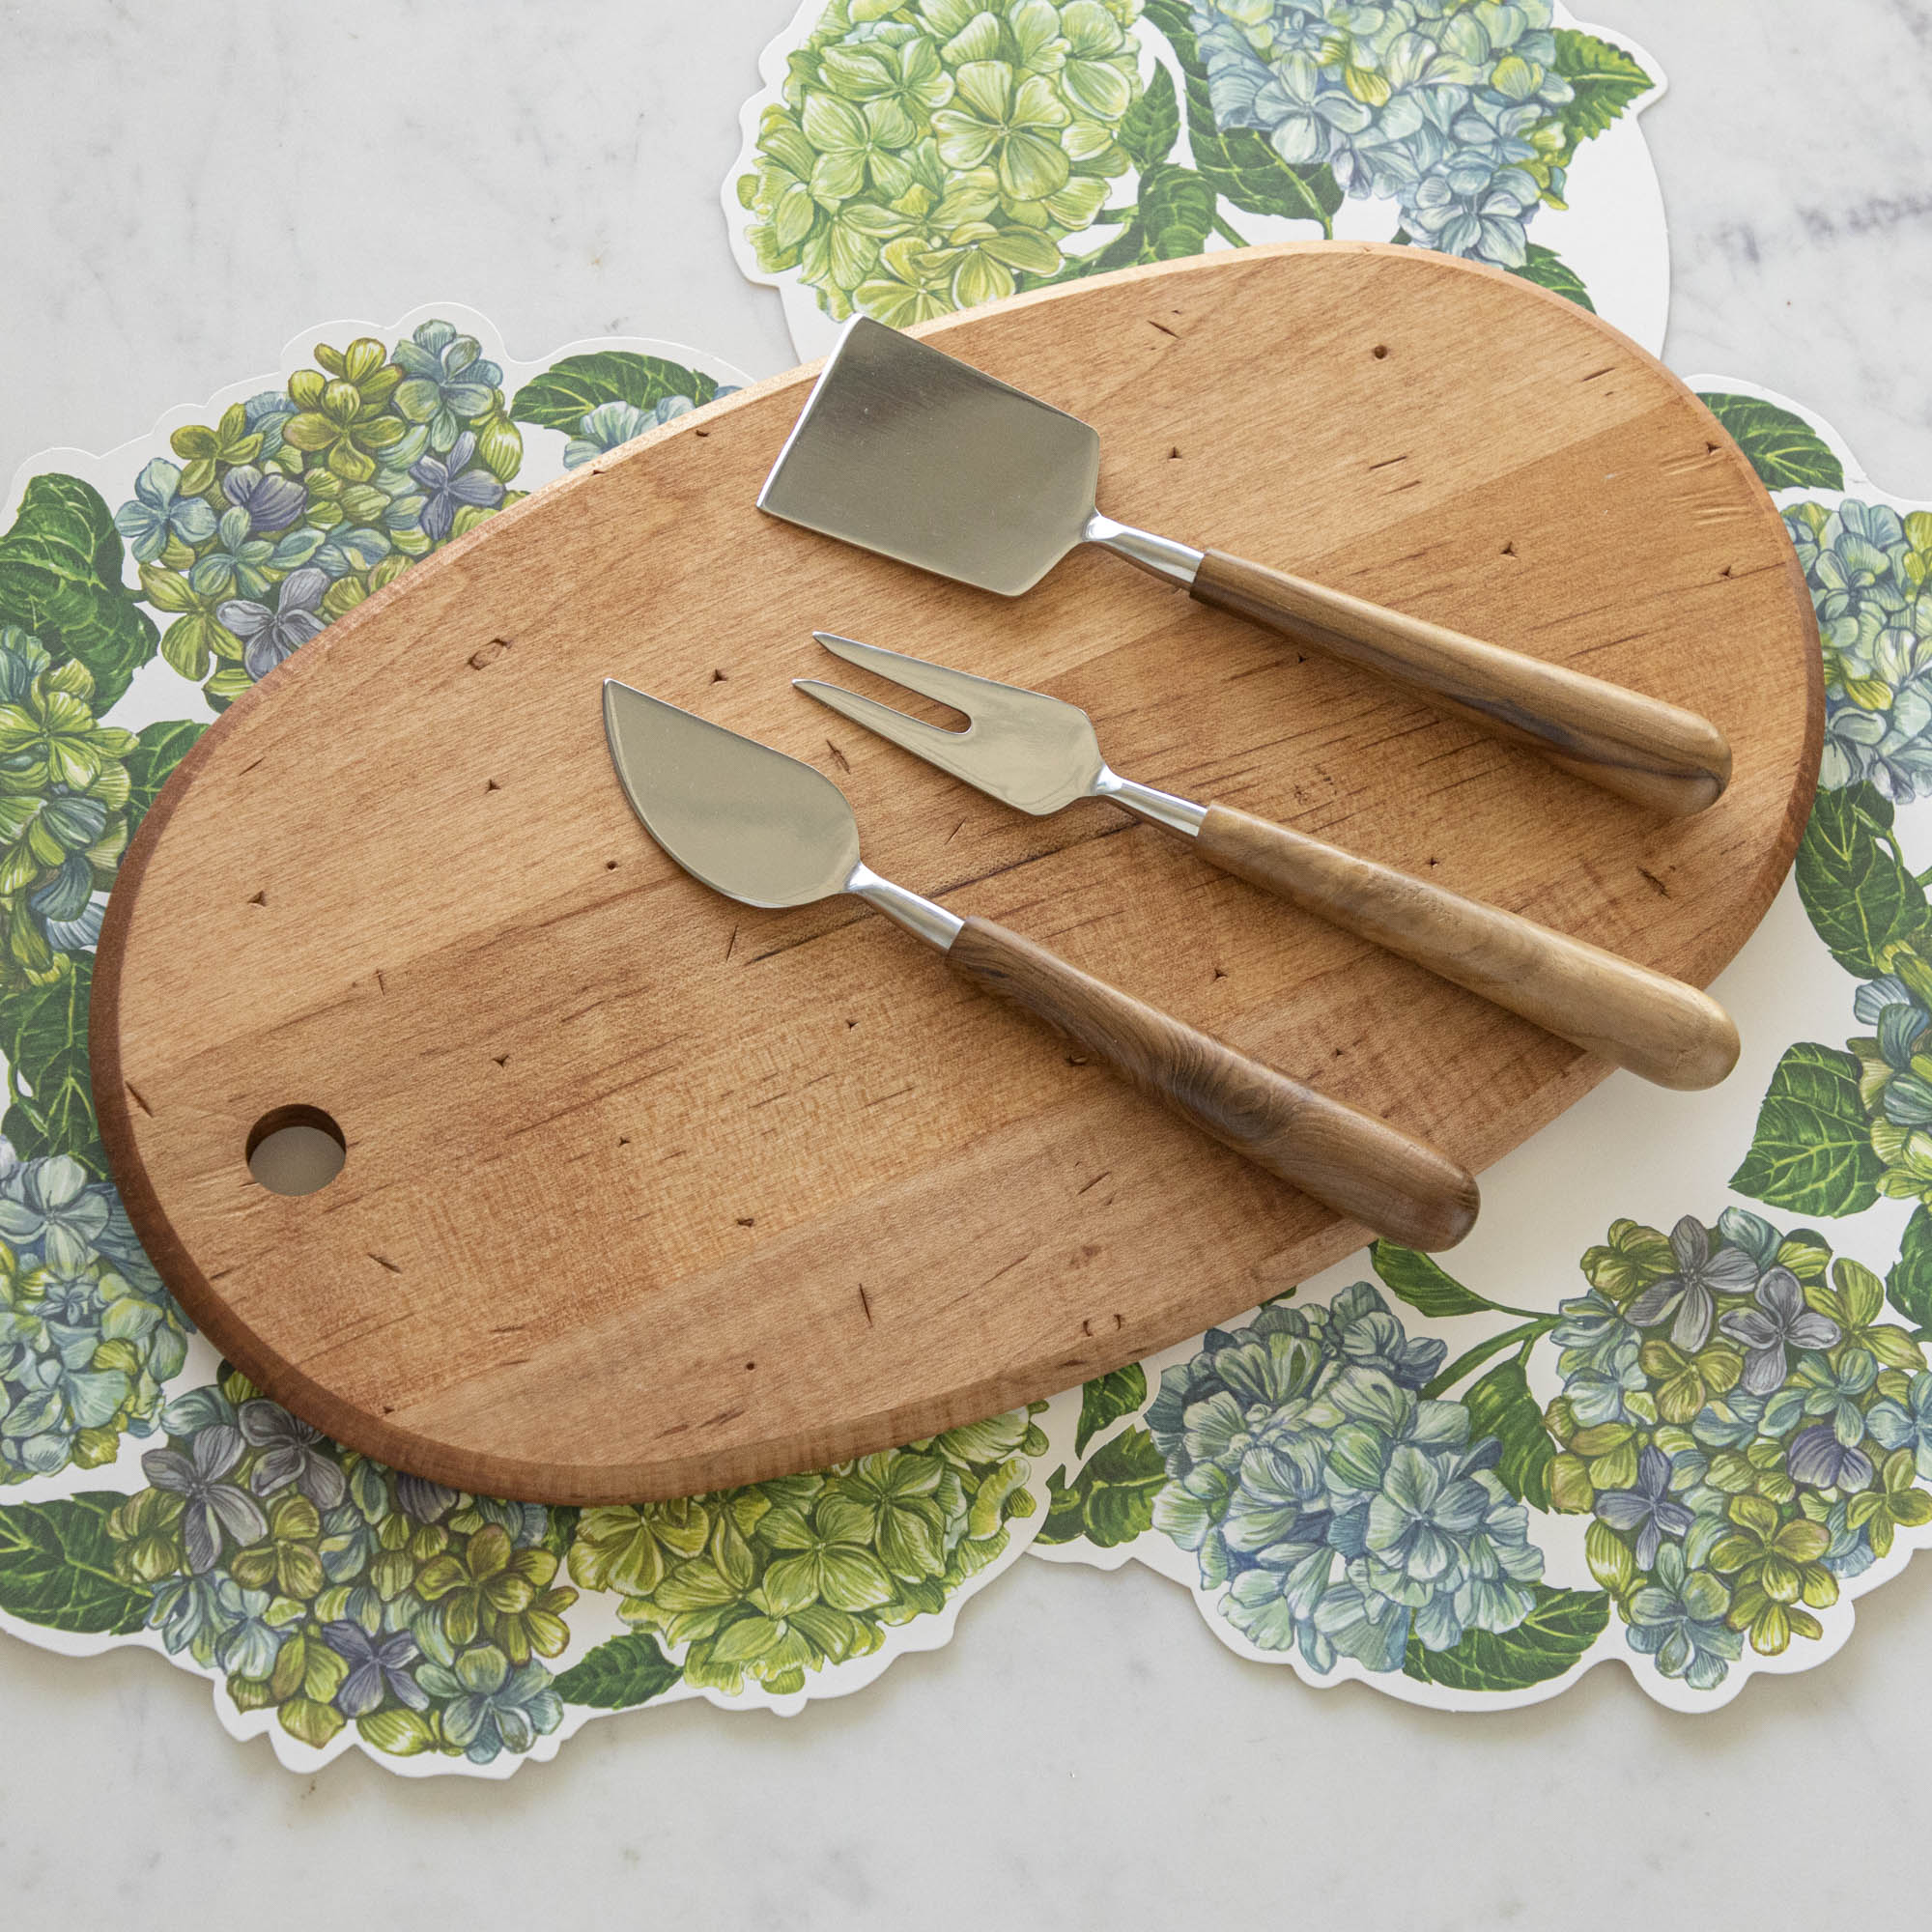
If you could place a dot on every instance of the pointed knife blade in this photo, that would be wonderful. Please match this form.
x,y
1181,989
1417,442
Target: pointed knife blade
x,y
748,822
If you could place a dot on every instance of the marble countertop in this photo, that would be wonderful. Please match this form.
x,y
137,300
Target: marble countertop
x,y
188,184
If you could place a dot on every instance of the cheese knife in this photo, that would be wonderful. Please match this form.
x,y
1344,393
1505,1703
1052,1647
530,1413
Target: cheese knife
x,y
1039,753
769,830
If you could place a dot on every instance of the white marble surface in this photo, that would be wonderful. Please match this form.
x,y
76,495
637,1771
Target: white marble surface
x,y
187,183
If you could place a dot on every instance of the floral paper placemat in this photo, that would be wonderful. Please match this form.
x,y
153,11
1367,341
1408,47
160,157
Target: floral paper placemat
x,y
1675,1411
909,157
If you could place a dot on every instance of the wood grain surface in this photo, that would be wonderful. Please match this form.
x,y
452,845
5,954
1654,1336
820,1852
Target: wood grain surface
x,y
1609,1005
646,1192
1362,1167
1656,755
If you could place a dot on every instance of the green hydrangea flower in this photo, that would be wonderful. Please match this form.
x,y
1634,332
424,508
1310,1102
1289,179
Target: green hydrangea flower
x,y
63,790
334,1590
301,502
777,1579
1742,1425
937,154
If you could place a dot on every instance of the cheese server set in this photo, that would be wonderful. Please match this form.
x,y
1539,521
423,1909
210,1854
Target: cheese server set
x,y
911,453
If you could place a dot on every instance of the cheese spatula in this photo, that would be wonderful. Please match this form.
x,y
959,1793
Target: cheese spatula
x,y
910,452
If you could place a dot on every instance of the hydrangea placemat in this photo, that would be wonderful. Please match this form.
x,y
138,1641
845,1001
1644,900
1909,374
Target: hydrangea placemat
x,y
908,158
1675,1411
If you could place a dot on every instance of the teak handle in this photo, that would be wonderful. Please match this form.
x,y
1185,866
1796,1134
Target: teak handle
x,y
1646,1021
1349,1160
1652,754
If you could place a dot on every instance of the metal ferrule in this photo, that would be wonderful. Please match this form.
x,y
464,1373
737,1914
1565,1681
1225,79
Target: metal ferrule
x,y
1157,808
920,917
1160,556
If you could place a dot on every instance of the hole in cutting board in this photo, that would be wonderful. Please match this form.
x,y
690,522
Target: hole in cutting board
x,y
296,1149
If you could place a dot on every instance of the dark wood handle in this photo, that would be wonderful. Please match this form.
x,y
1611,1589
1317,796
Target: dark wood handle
x,y
1350,1161
1652,754
1654,1024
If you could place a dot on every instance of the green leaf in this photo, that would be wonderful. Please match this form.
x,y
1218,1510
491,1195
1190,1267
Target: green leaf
x,y
1909,1285
1812,1149
1422,1284
1127,248
57,1567
1151,126
1547,269
60,578
1854,885
626,1672
160,748
1106,1399
1563,1624
1784,449
1500,1404
1111,1501
44,1034
1238,163
567,391
1604,80
1177,211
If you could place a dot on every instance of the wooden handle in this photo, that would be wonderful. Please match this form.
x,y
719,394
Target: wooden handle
x,y
1652,754
1654,1024
1349,1160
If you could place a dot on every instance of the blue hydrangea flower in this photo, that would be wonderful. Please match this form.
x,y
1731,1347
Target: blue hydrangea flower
x,y
1781,1321
1906,1424
348,549
1678,1618
158,511
266,415
450,484
610,424
273,500
493,1708
270,633
1649,1508
1343,1510
1690,1293
1819,1458
447,382
212,1509
378,1667
1868,582
1447,106
295,1455
249,1641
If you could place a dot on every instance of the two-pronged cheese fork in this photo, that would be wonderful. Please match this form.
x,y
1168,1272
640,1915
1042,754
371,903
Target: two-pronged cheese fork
x,y
1037,754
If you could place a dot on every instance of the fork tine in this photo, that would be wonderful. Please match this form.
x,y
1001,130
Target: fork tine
x,y
933,743
960,689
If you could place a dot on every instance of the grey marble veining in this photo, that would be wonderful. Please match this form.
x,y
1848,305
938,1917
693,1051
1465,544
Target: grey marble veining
x,y
185,186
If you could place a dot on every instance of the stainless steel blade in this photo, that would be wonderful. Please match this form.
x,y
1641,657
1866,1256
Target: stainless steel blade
x,y
749,822
911,453
1022,747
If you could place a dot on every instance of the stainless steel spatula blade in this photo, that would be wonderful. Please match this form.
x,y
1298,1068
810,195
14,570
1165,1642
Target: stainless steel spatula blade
x,y
909,452
749,822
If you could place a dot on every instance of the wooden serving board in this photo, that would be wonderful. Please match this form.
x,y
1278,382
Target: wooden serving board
x,y
647,1193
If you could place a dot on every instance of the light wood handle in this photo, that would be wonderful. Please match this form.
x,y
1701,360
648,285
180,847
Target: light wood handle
x,y
1350,1161
1646,1021
1652,754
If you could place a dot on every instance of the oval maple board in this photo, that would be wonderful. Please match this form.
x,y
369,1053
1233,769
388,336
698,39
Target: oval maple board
x,y
647,1192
